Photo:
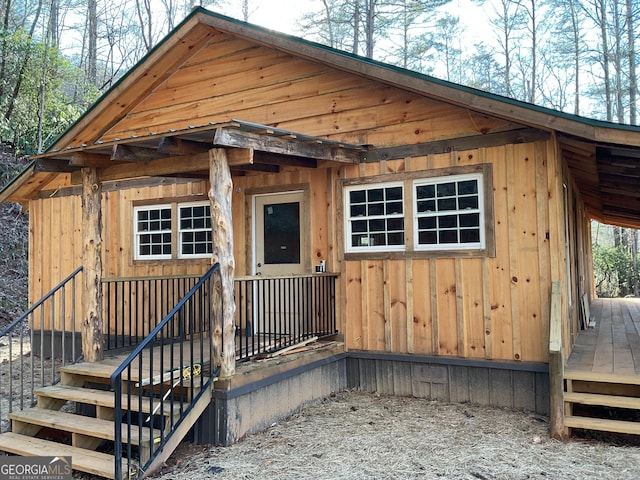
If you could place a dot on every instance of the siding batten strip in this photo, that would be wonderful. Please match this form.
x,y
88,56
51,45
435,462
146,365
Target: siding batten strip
x,y
460,310
513,251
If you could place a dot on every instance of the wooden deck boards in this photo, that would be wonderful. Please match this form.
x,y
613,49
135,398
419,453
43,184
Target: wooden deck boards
x,y
612,348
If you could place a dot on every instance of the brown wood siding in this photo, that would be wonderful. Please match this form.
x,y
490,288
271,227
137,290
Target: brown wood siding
x,y
237,80
494,308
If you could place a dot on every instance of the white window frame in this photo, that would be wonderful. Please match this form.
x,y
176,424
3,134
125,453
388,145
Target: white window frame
x,y
349,248
137,234
480,210
180,230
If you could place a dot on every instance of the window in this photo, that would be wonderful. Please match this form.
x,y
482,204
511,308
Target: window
x,y
449,212
195,230
428,213
178,230
153,232
375,217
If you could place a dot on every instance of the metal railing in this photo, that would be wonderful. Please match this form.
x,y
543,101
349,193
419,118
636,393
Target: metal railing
x,y
54,348
275,312
158,384
134,306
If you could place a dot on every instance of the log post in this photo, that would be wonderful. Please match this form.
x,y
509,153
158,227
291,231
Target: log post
x,y
92,336
556,365
221,223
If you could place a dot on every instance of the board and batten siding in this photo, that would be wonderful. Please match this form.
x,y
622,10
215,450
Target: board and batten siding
x,y
487,307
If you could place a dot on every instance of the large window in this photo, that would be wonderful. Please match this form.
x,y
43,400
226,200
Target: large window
x,y
449,212
375,217
178,230
427,213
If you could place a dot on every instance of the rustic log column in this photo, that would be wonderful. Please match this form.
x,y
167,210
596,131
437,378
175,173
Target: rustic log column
x,y
221,223
92,337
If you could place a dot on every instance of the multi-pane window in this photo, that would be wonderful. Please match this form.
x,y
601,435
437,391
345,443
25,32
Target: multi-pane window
x,y
375,217
181,230
431,213
153,232
195,230
449,213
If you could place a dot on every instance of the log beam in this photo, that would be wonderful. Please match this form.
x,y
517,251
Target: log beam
x,y
221,221
92,337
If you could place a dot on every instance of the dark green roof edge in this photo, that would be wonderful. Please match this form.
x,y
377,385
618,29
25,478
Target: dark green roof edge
x,y
410,73
17,178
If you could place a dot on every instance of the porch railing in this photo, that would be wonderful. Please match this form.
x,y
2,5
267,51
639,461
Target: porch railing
x,y
134,306
173,366
53,343
273,313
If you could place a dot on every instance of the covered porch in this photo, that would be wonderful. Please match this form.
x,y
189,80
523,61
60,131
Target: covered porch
x,y
602,372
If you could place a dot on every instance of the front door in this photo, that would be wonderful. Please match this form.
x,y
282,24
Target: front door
x,y
279,252
279,236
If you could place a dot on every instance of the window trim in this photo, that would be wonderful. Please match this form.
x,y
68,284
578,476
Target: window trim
x,y
408,178
175,231
180,230
480,245
349,220
137,234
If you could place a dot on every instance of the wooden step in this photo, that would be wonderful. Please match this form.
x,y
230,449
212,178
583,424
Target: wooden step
x,y
69,422
104,398
601,377
616,401
605,425
95,463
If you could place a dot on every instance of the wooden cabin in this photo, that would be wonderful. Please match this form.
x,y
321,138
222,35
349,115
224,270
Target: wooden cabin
x,y
434,238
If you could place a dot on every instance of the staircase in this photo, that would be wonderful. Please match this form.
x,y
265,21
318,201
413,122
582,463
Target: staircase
x,y
76,418
605,402
122,417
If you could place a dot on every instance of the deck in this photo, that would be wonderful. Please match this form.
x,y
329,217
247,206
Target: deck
x,y
612,347
602,374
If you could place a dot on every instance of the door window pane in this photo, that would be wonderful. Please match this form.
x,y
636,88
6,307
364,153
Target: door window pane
x,y
281,233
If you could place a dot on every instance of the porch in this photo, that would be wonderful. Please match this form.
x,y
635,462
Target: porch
x,y
123,416
602,373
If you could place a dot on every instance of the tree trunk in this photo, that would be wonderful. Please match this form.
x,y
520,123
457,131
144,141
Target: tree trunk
x,y
92,47
371,17
92,336
221,222
23,67
633,81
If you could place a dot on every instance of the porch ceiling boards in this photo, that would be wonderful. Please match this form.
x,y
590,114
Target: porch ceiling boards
x,y
250,147
608,177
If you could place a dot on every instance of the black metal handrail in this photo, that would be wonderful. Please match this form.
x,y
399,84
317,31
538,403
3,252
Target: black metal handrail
x,y
157,385
61,345
276,312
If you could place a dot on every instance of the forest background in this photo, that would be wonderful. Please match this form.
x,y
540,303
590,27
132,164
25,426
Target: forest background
x,y
577,56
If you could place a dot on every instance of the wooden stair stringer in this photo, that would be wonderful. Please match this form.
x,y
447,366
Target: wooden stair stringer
x,y
185,425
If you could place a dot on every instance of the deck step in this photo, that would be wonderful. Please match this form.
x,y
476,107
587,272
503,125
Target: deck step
x,y
587,423
69,422
103,398
602,377
616,401
88,461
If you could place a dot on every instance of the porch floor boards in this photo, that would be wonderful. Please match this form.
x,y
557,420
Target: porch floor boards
x,y
612,348
602,374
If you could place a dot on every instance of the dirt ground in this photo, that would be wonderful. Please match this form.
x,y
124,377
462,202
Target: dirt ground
x,y
362,436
